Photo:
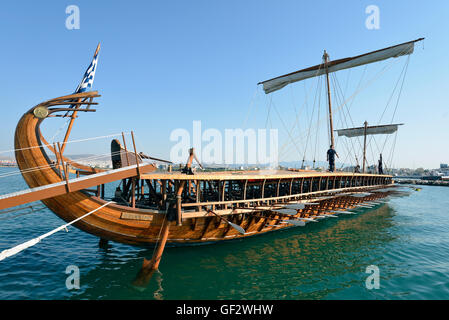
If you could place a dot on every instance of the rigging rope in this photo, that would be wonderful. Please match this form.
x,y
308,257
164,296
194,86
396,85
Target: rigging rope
x,y
317,124
50,166
402,74
369,144
285,127
390,159
59,130
345,107
310,122
282,148
70,141
297,113
268,114
296,120
382,71
300,134
342,115
251,103
400,90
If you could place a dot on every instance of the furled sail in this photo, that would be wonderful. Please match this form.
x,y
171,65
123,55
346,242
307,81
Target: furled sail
x,y
370,130
341,64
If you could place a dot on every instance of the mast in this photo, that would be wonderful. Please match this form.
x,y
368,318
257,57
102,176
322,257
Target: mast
x,y
366,131
331,125
364,145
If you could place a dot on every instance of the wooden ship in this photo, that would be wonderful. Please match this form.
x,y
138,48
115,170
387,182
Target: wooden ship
x,y
158,208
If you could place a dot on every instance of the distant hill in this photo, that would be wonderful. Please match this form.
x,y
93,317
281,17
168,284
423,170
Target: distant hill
x,y
75,156
71,156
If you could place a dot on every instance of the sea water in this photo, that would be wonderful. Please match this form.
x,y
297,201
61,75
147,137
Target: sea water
x,y
406,240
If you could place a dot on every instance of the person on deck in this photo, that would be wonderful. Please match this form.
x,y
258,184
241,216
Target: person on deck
x,y
331,153
381,170
357,169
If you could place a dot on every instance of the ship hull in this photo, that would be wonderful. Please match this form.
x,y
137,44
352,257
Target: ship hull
x,y
138,226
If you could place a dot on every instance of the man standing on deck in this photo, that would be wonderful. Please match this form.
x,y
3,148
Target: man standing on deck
x,y
331,153
381,170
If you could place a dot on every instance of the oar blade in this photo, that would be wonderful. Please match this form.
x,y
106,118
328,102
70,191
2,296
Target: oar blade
x,y
237,227
296,206
286,211
298,223
360,195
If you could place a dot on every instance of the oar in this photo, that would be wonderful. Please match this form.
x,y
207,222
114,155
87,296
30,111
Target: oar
x,y
236,227
301,219
327,216
342,211
295,222
376,202
307,219
285,211
364,206
298,221
296,206
360,195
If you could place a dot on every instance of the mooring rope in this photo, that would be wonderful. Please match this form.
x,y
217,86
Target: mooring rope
x,y
70,141
13,251
50,166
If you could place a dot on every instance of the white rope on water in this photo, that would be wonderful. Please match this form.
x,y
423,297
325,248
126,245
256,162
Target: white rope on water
x,y
13,251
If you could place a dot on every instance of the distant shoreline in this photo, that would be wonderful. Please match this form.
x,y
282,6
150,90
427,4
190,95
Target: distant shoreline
x,y
439,183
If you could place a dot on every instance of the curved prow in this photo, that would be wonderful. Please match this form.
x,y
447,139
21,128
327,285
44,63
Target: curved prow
x,y
39,170
36,167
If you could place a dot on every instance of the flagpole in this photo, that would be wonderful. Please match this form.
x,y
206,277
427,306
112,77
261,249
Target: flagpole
x,y
73,117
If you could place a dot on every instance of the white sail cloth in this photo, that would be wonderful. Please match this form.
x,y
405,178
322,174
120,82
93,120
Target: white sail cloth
x,y
341,64
357,132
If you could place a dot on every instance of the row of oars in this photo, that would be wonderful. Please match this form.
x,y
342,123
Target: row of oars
x,y
292,209
289,210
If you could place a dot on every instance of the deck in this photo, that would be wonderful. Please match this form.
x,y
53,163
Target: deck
x,y
251,175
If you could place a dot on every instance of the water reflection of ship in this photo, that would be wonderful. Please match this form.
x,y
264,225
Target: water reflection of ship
x,y
300,263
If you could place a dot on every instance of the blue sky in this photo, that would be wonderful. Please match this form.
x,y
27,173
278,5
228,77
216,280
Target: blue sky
x,y
164,64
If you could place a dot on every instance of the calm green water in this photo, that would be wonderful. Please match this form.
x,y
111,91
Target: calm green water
x,y
408,239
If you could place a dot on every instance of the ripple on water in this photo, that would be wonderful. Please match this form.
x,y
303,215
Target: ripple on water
x,y
406,239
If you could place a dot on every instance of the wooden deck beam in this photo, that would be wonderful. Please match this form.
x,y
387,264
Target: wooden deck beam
x,y
60,188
